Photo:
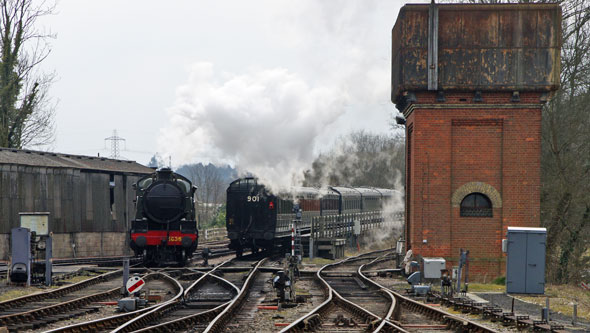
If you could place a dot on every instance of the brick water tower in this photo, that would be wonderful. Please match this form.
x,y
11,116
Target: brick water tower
x,y
470,80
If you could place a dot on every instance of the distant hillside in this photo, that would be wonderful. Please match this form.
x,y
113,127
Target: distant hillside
x,y
211,180
227,174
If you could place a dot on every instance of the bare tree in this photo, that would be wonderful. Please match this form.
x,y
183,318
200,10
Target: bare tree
x,y
360,159
565,201
210,192
26,112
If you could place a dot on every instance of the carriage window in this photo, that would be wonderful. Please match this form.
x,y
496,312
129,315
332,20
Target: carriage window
x,y
476,205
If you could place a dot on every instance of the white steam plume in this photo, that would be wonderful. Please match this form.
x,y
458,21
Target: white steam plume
x,y
271,122
265,122
387,235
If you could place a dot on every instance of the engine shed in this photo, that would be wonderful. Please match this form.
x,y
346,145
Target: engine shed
x,y
89,199
471,81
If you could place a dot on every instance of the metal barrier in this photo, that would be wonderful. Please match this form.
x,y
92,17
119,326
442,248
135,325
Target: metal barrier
x,y
330,228
213,234
333,226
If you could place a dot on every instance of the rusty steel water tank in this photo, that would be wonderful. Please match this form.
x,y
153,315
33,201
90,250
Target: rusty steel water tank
x,y
476,47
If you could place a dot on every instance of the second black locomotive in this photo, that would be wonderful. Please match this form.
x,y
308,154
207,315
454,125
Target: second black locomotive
x,y
258,219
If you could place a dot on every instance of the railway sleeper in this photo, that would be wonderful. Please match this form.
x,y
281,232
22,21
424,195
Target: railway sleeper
x,y
523,322
311,322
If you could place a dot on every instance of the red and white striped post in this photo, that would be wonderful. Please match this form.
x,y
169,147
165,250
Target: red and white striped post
x,y
292,239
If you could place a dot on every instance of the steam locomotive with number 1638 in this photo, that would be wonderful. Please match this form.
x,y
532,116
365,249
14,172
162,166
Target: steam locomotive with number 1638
x,y
164,229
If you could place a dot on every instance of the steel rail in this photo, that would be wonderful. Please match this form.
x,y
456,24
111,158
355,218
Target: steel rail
x,y
144,319
393,309
116,320
19,301
217,324
40,313
182,323
451,320
313,318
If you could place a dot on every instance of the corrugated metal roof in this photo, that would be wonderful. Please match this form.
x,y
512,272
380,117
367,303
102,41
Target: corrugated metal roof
x,y
57,160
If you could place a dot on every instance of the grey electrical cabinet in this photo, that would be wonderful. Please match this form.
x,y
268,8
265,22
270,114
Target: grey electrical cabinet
x,y
525,263
20,266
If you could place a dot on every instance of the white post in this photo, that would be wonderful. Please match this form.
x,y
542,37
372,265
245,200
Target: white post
x,y
292,239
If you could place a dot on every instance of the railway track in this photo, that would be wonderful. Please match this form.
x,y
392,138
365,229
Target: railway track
x,y
214,244
498,315
41,309
244,316
30,308
99,261
219,323
204,302
350,302
108,323
414,316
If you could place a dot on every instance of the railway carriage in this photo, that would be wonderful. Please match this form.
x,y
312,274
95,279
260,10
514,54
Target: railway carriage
x,y
258,219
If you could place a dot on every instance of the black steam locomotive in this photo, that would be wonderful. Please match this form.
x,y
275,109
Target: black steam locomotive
x,y
164,228
257,219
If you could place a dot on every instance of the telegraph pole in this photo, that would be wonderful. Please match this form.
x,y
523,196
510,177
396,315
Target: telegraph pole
x,y
115,139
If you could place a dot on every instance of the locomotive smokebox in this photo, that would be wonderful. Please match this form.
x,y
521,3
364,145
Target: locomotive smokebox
x,y
164,202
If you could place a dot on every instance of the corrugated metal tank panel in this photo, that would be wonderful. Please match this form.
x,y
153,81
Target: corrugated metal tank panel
x,y
502,47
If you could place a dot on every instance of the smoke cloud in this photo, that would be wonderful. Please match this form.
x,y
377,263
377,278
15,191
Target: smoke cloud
x,y
265,122
272,122
392,214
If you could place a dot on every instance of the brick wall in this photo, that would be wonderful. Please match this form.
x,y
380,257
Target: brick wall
x,y
458,147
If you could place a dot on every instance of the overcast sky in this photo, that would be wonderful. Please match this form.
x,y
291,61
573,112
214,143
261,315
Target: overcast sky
x,y
219,81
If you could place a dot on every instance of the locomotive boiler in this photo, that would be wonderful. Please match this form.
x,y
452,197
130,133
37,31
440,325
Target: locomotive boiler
x,y
164,229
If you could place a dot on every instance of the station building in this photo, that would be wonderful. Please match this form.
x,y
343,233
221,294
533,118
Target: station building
x,y
90,200
471,81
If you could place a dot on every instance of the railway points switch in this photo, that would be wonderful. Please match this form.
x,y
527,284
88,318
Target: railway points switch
x,y
418,289
129,304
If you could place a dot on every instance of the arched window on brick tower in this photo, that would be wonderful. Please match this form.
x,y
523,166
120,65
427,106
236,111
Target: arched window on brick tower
x,y
476,205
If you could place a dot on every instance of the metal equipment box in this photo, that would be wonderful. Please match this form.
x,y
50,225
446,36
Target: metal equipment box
x,y
525,264
432,267
20,266
476,47
37,222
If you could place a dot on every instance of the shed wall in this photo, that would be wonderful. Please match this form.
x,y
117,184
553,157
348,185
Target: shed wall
x,y
78,201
